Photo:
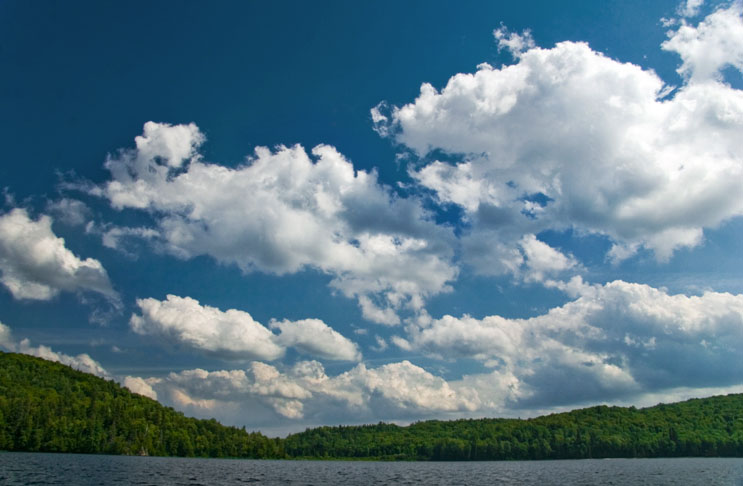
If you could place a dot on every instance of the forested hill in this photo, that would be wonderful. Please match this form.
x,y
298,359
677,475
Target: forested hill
x,y
699,427
46,406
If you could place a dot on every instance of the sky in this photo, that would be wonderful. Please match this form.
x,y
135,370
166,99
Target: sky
x,y
291,214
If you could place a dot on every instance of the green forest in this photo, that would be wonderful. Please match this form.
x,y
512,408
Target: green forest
x,y
49,407
46,406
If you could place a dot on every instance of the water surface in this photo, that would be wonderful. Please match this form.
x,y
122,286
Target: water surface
x,y
58,469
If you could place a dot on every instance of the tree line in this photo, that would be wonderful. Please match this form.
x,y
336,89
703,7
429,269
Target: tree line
x,y
700,427
46,406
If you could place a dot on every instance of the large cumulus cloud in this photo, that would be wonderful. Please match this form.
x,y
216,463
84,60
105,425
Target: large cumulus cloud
x,y
568,138
614,340
281,212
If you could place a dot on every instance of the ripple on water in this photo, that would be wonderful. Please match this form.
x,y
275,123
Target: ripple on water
x,y
53,469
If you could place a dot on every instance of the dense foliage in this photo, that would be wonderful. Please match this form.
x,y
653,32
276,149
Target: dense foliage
x,y
46,406
700,427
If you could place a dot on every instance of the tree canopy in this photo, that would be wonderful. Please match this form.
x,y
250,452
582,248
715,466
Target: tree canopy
x,y
49,407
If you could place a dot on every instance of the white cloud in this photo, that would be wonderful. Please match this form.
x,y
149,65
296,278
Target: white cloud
x,y
69,211
282,212
407,386
381,344
6,338
35,263
260,383
141,386
82,362
542,260
490,252
112,237
314,337
182,401
172,143
569,138
690,8
234,334
379,120
717,42
614,340
515,43
373,313
401,343
306,391
231,334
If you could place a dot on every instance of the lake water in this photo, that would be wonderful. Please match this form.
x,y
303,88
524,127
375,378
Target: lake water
x,y
71,469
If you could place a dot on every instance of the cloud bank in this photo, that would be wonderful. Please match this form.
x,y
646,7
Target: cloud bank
x,y
619,342
305,391
615,340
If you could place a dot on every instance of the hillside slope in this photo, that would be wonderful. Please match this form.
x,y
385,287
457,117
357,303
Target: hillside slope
x,y
46,406
699,427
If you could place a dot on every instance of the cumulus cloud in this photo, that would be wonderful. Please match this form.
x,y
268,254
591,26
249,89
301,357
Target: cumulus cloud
x,y
411,387
314,337
515,43
617,339
282,212
36,265
716,43
541,260
305,391
141,386
489,252
690,8
619,342
234,334
82,362
260,381
616,342
230,333
567,138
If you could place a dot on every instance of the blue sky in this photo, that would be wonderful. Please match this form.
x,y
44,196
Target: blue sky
x,y
289,214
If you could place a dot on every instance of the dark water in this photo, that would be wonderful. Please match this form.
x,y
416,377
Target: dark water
x,y
69,469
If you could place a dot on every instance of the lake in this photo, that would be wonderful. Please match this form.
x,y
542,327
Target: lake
x,y
43,469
